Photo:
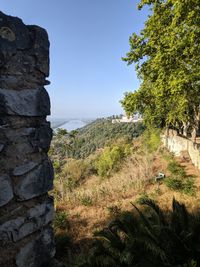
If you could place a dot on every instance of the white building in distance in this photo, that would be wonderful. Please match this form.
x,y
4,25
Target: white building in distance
x,y
125,119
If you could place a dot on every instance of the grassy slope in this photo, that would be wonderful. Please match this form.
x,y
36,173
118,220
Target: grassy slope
x,y
96,201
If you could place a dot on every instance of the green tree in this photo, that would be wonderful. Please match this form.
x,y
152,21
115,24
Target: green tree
x,y
109,160
61,132
167,56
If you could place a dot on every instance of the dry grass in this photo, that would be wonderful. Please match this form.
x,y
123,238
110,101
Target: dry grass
x,y
91,201
91,205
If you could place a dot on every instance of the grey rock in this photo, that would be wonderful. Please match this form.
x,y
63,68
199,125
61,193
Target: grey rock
x,y
13,30
23,169
44,210
6,191
20,227
41,48
28,140
25,102
42,138
35,183
24,54
29,77
9,229
37,253
25,236
1,147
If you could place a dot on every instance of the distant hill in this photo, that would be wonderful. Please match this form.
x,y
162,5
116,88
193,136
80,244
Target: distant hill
x,y
98,134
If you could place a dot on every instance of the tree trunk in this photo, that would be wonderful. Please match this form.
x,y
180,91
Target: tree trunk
x,y
196,125
185,128
194,135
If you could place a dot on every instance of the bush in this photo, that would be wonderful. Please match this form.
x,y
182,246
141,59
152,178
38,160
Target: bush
x,y
73,172
189,186
175,168
86,200
184,185
60,220
111,158
152,139
179,181
154,239
174,183
57,166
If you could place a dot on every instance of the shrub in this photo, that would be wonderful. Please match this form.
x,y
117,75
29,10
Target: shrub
x,y
57,166
111,158
189,186
179,181
174,183
61,132
86,200
185,185
74,171
152,139
175,168
60,220
153,240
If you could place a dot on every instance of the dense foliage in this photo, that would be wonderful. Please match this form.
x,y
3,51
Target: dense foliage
x,y
111,157
167,57
153,238
98,134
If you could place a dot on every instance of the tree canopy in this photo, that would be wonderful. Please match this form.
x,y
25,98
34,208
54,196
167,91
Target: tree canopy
x,y
167,57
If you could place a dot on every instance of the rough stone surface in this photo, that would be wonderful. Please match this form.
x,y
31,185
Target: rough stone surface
x,y
24,54
20,227
26,174
34,139
25,102
35,183
37,252
23,169
8,230
6,191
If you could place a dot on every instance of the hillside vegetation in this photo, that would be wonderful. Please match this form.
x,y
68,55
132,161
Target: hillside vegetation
x,y
122,200
81,143
97,149
91,192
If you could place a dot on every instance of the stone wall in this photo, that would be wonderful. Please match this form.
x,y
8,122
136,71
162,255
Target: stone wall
x,y
178,144
26,174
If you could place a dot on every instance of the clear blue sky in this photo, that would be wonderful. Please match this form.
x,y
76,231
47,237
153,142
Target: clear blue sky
x,y
88,39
